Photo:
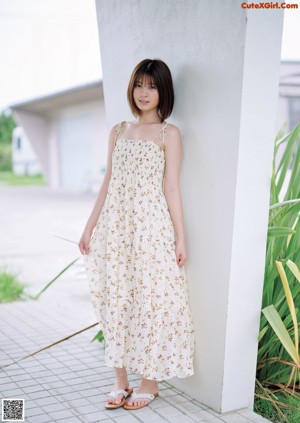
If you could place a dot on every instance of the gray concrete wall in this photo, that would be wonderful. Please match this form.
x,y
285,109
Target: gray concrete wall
x,y
225,73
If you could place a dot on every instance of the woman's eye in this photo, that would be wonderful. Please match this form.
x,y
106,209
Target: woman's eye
x,y
152,87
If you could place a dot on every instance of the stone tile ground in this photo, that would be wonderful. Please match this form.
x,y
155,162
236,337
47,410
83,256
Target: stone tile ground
x,y
69,382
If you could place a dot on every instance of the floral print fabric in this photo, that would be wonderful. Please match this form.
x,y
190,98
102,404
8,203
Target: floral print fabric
x,y
138,292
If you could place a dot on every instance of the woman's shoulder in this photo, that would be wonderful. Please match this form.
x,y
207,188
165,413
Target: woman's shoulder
x,y
173,130
117,126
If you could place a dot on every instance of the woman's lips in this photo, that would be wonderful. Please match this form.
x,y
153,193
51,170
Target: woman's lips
x,y
143,101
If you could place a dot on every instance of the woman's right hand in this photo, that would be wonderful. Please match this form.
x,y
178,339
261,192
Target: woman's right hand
x,y
84,242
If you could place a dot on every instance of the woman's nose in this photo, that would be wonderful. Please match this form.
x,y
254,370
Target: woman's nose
x,y
144,90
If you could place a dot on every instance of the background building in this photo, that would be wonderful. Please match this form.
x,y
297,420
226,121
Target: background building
x,y
289,94
67,134
24,159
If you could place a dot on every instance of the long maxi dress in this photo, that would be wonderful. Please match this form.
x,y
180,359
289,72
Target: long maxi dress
x,y
139,293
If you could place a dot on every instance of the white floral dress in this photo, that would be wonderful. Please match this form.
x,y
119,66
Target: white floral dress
x,y
139,293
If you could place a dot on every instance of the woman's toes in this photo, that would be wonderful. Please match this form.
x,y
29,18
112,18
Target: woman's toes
x,y
113,400
137,402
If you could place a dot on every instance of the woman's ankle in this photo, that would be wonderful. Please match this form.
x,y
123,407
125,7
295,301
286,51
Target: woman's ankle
x,y
149,381
120,371
121,377
148,384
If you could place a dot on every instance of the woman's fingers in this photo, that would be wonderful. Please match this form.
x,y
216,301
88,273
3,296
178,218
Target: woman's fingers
x,y
83,247
181,259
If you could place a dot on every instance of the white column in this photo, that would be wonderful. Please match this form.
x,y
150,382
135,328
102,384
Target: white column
x,y
225,63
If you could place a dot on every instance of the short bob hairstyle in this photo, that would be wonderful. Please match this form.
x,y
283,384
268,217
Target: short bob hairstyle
x,y
159,74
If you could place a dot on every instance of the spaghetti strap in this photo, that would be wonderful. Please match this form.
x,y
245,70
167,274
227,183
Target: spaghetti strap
x,y
164,132
161,132
119,129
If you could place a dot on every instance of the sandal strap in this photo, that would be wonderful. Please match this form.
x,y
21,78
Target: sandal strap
x,y
141,395
117,392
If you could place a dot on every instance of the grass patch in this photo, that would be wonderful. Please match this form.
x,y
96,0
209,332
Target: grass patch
x,y
287,403
11,289
10,179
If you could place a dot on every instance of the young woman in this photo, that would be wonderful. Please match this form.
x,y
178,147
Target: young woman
x,y
134,246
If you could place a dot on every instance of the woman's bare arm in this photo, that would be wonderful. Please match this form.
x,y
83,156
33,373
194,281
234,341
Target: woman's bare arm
x,y
93,218
173,155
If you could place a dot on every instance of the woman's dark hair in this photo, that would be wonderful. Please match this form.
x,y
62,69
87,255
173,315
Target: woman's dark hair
x,y
159,74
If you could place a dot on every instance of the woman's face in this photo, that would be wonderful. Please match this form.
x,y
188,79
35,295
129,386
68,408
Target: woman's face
x,y
145,94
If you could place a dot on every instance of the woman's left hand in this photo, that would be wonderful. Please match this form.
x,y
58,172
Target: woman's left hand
x,y
180,252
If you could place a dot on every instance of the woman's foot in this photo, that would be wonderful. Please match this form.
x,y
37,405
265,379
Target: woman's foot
x,y
121,382
147,386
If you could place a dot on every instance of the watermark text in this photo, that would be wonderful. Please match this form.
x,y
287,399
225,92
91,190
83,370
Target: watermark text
x,y
269,5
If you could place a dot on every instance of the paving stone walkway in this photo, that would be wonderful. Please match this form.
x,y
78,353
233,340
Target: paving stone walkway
x,y
69,382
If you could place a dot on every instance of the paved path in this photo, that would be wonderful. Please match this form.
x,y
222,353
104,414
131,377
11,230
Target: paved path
x,y
69,382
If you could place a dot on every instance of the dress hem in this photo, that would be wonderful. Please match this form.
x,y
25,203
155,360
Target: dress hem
x,y
180,376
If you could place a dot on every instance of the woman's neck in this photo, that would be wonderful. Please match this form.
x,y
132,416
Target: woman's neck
x,y
145,118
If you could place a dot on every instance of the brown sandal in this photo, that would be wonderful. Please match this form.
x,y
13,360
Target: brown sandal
x,y
114,394
136,395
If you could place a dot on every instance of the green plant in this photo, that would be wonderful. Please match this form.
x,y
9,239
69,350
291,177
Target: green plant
x,y
278,361
7,125
5,158
288,403
11,289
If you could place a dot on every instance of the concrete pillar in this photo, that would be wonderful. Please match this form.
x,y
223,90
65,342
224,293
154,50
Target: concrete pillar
x,y
225,63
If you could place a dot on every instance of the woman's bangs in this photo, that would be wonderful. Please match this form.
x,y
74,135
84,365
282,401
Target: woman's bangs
x,y
143,76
